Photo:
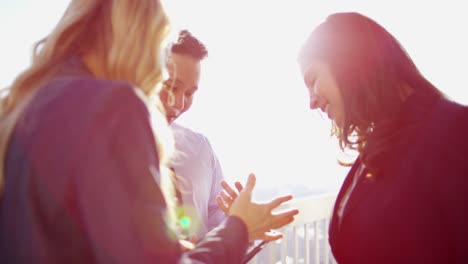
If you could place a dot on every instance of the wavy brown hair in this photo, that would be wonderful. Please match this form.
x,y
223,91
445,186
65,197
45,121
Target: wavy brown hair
x,y
375,76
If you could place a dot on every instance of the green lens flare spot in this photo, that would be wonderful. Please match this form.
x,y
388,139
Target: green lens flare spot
x,y
185,222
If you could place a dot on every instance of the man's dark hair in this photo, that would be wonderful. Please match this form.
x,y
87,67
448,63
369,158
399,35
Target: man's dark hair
x,y
189,45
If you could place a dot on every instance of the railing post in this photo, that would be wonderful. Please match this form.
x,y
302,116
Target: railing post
x,y
284,246
307,244
296,246
325,242
317,242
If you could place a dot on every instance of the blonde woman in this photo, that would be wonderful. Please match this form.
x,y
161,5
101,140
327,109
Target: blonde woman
x,y
79,158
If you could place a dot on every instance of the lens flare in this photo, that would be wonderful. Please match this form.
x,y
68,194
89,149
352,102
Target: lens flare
x,y
185,222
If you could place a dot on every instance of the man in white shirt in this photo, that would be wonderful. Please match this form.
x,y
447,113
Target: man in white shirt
x,y
197,168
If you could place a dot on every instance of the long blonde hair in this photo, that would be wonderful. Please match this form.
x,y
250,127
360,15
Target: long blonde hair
x,y
117,40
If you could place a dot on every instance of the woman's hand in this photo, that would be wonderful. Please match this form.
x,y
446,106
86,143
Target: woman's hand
x,y
228,196
186,245
258,217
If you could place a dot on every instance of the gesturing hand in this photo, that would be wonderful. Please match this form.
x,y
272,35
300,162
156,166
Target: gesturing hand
x,y
258,216
228,196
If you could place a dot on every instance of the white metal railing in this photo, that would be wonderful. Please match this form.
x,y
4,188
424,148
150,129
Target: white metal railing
x,y
306,239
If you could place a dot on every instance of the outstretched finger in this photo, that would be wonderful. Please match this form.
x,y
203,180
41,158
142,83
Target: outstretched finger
x,y
239,186
288,213
272,235
278,201
227,199
221,204
229,190
281,222
249,186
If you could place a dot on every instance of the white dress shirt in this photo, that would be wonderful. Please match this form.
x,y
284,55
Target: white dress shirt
x,y
199,176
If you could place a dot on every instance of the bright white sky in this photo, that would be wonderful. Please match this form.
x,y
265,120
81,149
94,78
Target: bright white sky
x,y
252,103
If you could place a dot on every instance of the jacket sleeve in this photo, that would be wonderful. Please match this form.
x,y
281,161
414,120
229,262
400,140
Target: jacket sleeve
x,y
120,205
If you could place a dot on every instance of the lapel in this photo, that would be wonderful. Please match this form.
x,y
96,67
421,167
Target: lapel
x,y
346,185
360,192
363,187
